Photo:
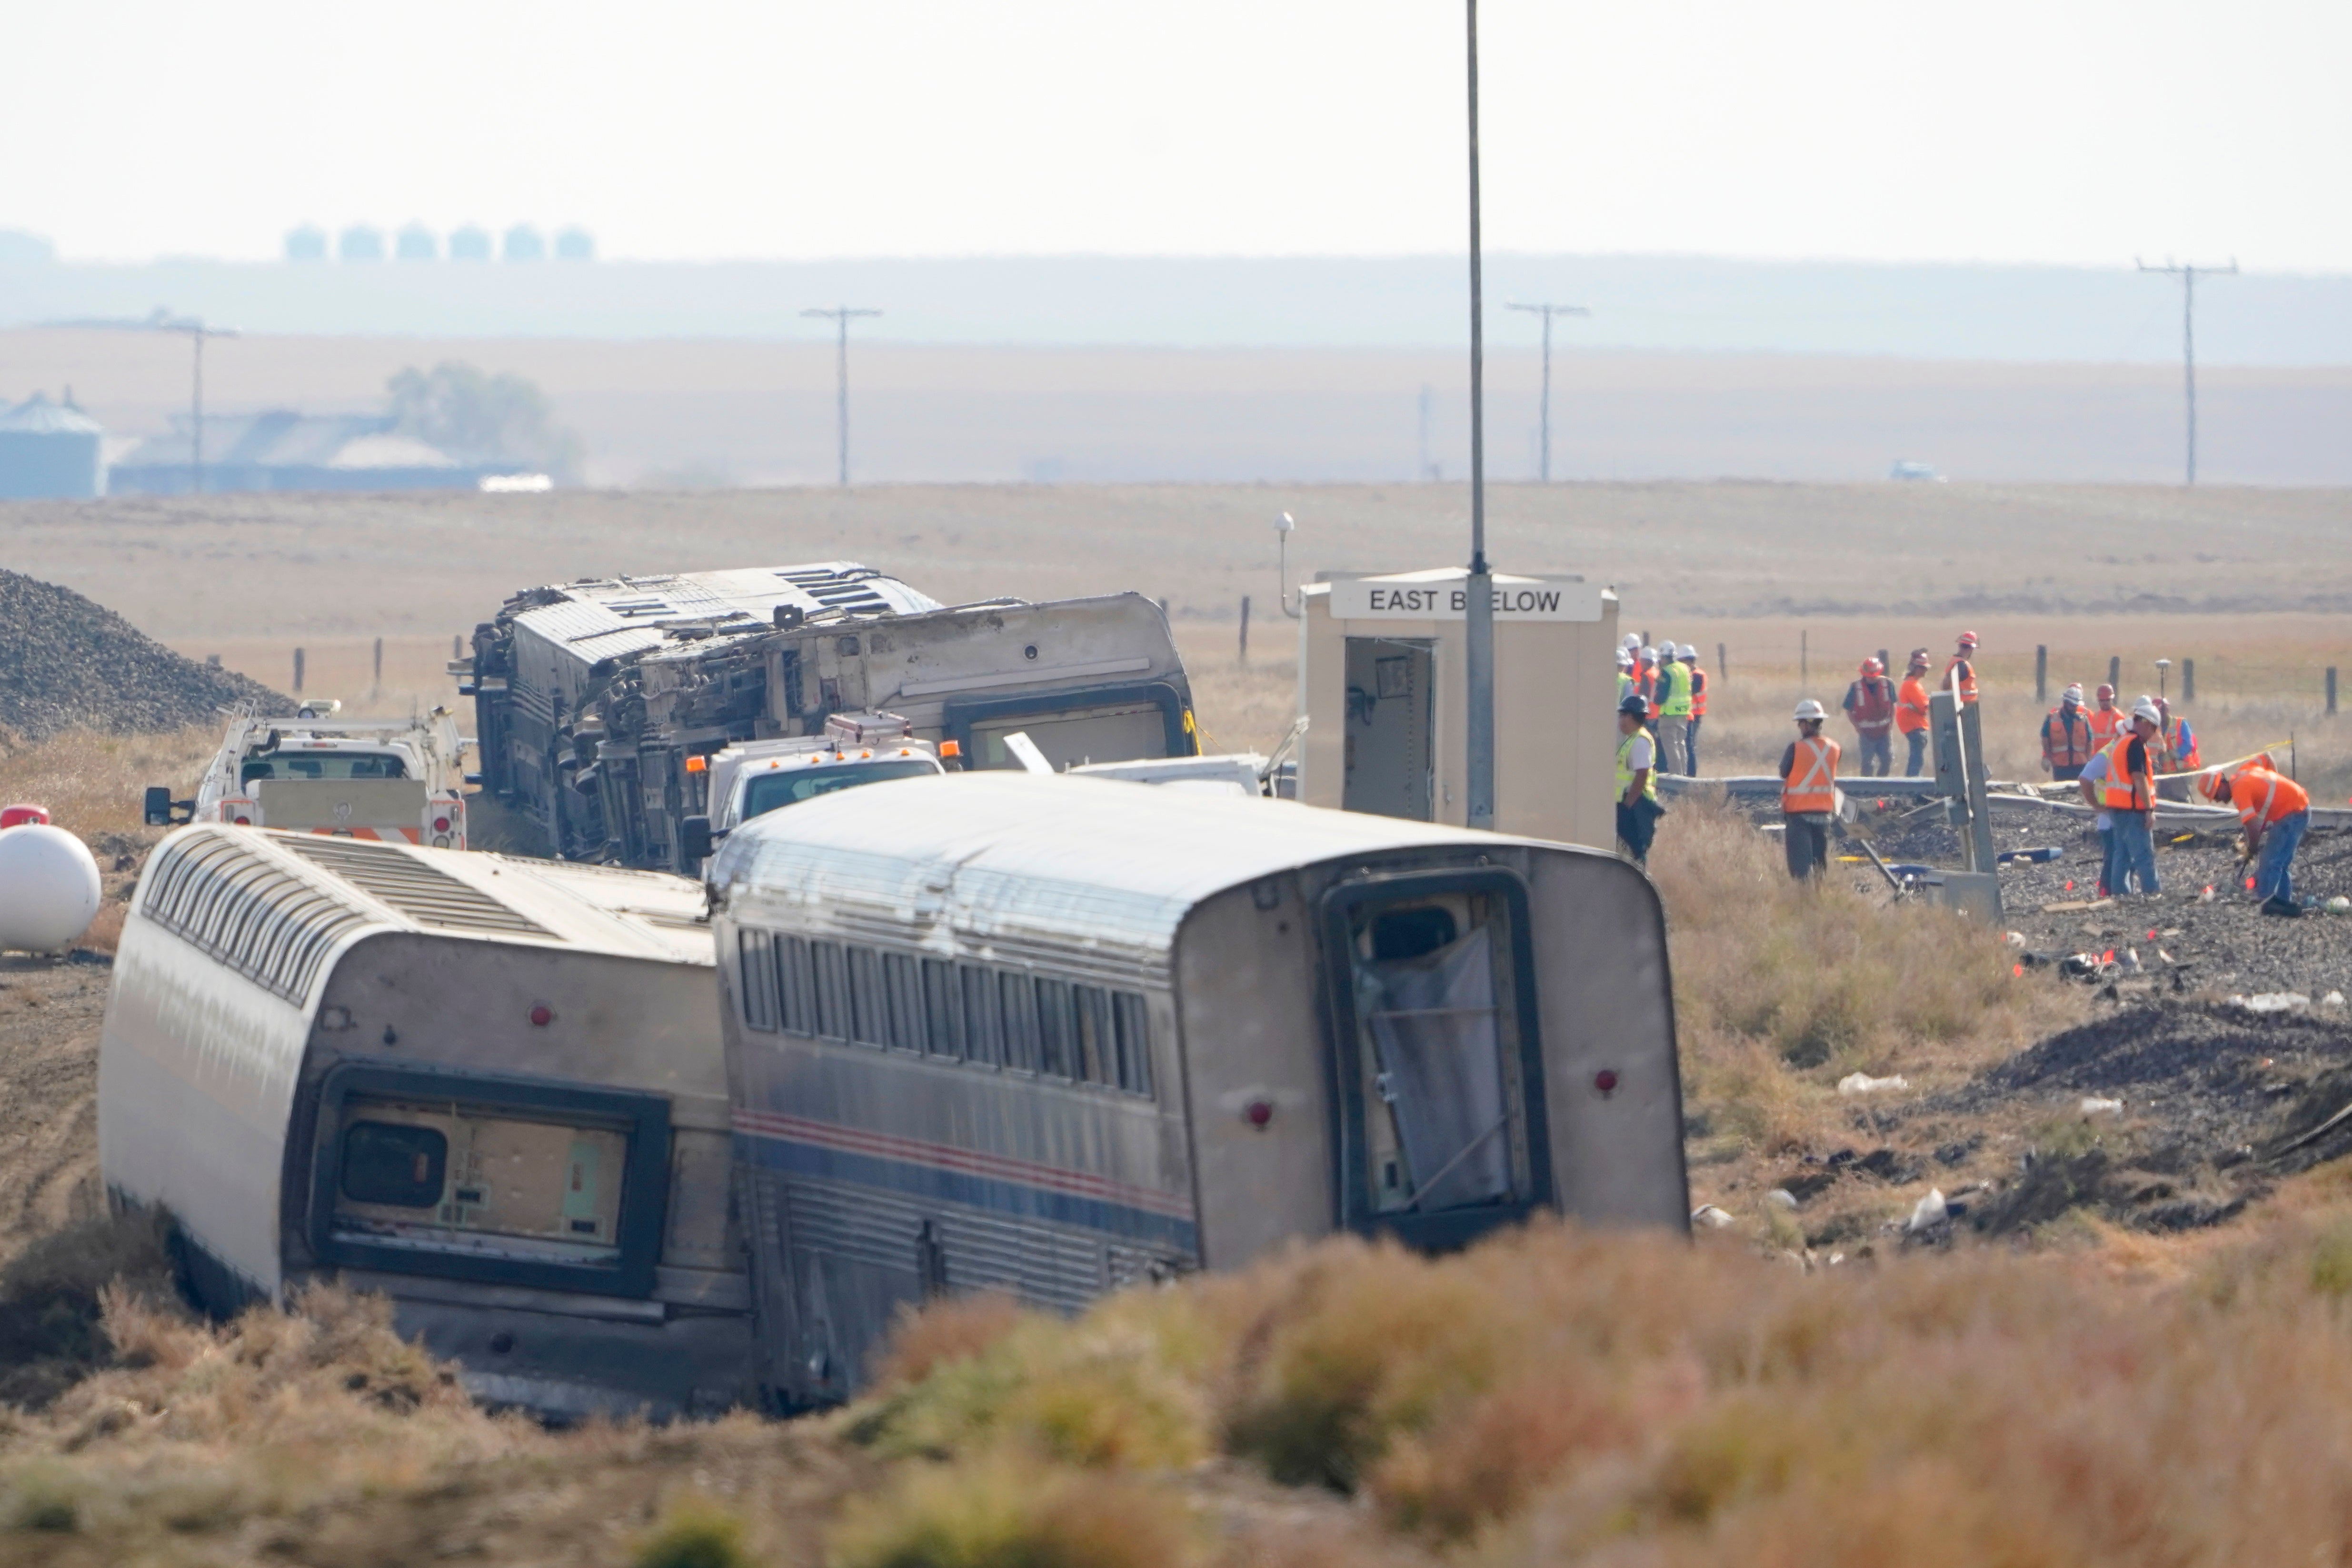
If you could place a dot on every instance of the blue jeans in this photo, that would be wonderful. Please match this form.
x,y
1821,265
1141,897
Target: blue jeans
x,y
1690,744
2134,854
2274,876
1918,739
2106,860
1877,759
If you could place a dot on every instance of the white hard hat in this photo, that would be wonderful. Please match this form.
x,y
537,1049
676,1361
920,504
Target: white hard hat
x,y
1809,709
2146,708
2072,694
1649,656
1687,651
1632,641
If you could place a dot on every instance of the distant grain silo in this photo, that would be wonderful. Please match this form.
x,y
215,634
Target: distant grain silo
x,y
49,449
524,243
308,243
361,243
417,242
575,244
469,243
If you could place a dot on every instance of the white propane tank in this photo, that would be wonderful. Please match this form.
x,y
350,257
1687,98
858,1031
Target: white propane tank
x,y
48,887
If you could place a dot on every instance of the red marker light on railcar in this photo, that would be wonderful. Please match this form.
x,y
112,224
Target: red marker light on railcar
x,y
1605,1080
542,1015
440,825
1258,1113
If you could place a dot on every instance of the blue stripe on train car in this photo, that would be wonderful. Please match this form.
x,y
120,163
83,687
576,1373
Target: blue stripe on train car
x,y
916,1178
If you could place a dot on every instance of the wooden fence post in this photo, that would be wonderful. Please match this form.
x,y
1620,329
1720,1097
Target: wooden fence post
x,y
1244,628
2116,679
298,672
2188,681
1722,663
2041,672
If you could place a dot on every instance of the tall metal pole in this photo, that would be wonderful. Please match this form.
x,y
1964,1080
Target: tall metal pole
x,y
1543,466
2186,272
1478,607
840,315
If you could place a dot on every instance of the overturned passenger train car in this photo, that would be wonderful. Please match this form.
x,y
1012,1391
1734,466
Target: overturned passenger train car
x,y
489,1088
1055,1036
597,700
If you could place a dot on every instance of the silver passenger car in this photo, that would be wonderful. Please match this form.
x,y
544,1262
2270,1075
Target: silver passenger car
x,y
489,1088
1057,1035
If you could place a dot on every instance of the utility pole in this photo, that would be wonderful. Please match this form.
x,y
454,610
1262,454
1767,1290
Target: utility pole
x,y
1547,313
1478,607
2186,273
840,315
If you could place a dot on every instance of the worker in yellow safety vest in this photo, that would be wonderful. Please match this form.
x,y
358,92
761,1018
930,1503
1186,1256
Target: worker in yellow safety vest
x,y
1808,793
1637,778
1673,702
1689,656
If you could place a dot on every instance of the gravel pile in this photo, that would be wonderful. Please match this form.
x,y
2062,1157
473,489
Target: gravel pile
x,y
66,661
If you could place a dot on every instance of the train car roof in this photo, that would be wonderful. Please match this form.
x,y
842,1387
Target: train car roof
x,y
1091,859
603,617
467,895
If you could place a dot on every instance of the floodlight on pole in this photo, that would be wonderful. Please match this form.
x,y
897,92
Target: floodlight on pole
x,y
2188,273
1283,524
162,320
1478,585
1547,313
840,315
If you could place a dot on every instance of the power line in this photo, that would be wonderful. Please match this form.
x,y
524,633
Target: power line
x,y
2186,273
1547,313
840,316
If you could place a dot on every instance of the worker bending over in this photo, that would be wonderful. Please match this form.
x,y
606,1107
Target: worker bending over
x,y
1808,793
1689,656
2066,740
1963,669
1870,708
2128,790
2276,811
1673,702
1911,712
1637,784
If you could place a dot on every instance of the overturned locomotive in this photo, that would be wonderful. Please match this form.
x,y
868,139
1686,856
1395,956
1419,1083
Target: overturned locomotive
x,y
597,702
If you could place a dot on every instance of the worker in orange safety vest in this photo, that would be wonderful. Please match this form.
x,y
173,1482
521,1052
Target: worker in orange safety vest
x,y
1963,668
2107,720
2178,742
2066,740
2127,792
1809,794
2276,813
1911,712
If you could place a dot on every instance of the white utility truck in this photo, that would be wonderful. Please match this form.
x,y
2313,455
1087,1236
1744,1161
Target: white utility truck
x,y
755,777
398,780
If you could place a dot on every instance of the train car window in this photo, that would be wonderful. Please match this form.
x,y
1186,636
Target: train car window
x,y
869,1007
903,987
1057,1034
1017,1020
1096,1054
832,973
796,1005
756,971
942,1009
983,1030
396,1166
1130,1016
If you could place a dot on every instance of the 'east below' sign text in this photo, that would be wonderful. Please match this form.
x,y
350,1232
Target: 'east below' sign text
x,y
1515,599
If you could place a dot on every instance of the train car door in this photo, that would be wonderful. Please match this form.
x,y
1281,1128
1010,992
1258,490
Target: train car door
x,y
1391,745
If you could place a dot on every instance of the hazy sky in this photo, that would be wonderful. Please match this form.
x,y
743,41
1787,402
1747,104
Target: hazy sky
x,y
2046,130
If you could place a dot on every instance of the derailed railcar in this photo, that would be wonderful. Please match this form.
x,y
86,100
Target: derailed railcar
x,y
489,1088
1055,1036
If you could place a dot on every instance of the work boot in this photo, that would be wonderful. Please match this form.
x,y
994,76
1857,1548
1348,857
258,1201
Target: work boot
x,y
2281,908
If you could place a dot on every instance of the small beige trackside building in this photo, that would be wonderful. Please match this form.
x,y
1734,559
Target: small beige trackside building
x,y
1383,688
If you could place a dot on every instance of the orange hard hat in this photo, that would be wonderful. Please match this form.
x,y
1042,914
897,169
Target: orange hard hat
x,y
1870,666
2216,786
1968,640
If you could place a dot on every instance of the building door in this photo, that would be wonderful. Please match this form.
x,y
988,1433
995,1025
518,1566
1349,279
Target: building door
x,y
1392,746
